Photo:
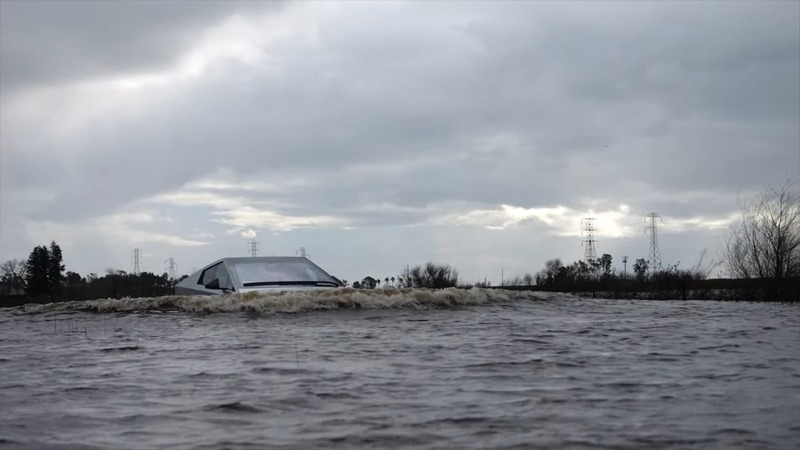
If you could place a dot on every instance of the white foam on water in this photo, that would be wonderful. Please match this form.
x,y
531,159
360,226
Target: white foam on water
x,y
264,303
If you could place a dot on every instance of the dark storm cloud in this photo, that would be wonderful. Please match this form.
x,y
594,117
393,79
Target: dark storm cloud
x,y
44,42
399,113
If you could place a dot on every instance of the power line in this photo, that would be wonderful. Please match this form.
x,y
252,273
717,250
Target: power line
x,y
136,260
589,252
172,267
652,228
253,247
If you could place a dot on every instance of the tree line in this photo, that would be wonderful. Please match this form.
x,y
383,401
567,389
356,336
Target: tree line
x,y
761,259
762,247
430,276
42,274
43,278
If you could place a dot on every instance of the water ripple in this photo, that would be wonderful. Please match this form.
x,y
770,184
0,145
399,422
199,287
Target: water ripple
x,y
449,369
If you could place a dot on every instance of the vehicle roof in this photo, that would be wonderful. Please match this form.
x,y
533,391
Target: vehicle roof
x,y
242,259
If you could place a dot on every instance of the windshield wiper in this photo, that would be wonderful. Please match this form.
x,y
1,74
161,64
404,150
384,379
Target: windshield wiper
x,y
290,283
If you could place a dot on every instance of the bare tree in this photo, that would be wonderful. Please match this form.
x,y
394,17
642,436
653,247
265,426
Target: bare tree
x,y
12,274
527,279
766,242
433,276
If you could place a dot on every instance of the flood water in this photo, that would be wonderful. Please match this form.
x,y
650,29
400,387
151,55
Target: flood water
x,y
400,369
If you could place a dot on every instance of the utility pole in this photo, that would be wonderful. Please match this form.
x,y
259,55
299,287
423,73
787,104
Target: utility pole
x,y
589,252
652,228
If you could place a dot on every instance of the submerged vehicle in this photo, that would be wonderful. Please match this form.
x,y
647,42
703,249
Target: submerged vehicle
x,y
257,273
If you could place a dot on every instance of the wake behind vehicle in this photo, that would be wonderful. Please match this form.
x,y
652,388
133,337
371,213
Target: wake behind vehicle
x,y
257,273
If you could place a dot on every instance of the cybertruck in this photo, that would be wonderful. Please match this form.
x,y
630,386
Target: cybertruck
x,y
258,273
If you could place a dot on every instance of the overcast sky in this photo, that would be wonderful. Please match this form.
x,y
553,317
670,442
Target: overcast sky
x,y
381,134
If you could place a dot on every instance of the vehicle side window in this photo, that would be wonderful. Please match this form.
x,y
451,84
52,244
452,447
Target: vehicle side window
x,y
217,271
211,273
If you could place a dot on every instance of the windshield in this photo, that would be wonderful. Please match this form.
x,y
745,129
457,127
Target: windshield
x,y
259,273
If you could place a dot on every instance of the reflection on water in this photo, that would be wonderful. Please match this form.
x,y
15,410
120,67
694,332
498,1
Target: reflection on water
x,y
390,369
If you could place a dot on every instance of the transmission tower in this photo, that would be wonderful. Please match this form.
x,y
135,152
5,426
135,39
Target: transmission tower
x,y
652,228
171,267
253,246
136,260
589,252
